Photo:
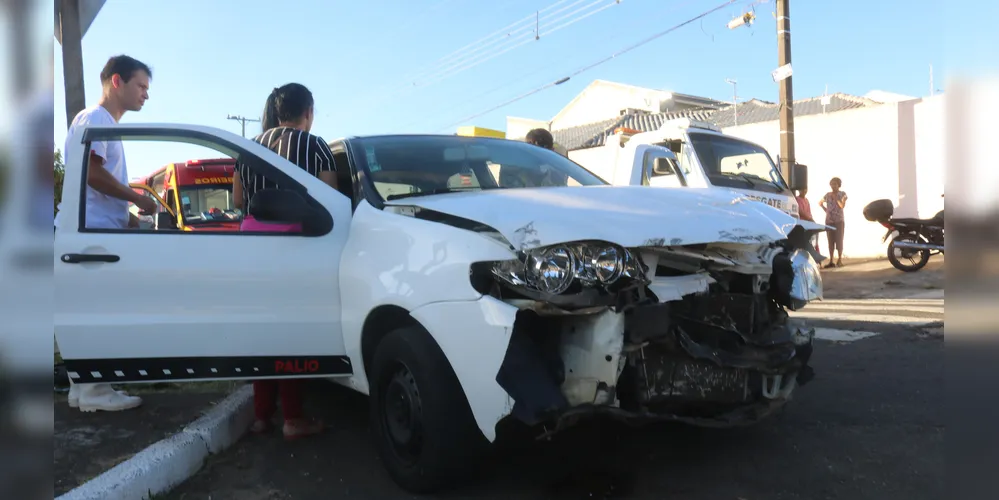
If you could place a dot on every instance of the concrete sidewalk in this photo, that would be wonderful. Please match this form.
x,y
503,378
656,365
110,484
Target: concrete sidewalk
x,y
150,449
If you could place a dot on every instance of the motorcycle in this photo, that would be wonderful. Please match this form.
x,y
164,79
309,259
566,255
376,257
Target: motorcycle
x,y
913,241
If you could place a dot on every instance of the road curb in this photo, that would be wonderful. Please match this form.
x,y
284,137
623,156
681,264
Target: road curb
x,y
168,462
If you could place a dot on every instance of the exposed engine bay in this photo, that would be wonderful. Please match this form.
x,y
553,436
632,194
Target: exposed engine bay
x,y
693,333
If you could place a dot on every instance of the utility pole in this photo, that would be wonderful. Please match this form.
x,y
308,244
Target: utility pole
x,y
72,58
242,120
17,11
735,100
786,96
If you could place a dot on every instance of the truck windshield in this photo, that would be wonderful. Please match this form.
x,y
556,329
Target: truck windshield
x,y
208,203
406,166
731,162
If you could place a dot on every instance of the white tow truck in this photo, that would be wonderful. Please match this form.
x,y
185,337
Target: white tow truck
x,y
453,300
693,154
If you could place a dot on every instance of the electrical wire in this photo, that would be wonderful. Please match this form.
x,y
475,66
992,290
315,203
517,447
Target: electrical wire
x,y
503,33
546,66
467,63
475,53
593,65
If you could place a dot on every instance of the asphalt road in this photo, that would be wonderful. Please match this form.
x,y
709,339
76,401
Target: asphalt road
x,y
870,425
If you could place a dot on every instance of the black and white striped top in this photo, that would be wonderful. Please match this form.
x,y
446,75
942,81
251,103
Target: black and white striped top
x,y
310,152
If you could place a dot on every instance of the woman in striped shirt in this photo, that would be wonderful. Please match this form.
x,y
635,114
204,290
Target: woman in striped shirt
x,y
287,121
288,117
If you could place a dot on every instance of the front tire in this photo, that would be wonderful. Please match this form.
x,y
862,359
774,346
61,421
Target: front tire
x,y
897,255
424,430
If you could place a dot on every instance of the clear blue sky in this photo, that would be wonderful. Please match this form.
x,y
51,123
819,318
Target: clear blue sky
x,y
211,58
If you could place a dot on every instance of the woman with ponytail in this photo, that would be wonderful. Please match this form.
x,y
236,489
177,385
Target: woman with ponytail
x,y
287,122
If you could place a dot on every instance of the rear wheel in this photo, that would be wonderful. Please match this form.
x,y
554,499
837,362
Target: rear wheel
x,y
908,259
424,429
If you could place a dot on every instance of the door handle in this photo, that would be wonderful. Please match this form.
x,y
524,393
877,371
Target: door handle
x,y
76,258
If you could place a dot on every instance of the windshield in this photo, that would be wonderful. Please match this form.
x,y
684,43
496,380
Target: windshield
x,y
731,162
211,203
405,166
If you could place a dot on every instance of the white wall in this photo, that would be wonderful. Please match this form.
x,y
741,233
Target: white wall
x,y
930,156
861,147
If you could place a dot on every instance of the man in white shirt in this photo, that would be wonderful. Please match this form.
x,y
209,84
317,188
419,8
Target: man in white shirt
x,y
126,87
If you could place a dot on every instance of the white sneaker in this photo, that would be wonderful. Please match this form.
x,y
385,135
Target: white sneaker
x,y
74,395
102,397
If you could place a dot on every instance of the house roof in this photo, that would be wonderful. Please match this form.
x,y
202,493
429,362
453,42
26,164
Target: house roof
x,y
757,111
687,99
749,112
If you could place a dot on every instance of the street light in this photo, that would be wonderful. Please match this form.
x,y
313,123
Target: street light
x,y
745,19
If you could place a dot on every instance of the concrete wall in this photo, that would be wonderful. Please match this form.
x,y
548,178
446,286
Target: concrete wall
x,y
888,151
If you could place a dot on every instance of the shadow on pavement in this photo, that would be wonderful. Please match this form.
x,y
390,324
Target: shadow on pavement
x,y
868,426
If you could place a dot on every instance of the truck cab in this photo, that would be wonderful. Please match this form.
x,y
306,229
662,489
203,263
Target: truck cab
x,y
694,154
194,195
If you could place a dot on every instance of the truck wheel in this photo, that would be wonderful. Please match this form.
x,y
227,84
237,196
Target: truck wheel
x,y
424,429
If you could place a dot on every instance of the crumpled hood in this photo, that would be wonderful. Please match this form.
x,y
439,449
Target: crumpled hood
x,y
630,216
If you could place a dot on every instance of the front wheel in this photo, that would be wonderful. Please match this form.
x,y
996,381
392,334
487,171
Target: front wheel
x,y
424,429
908,259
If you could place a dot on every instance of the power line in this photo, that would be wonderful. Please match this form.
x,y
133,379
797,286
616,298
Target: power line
x,y
524,76
470,56
597,63
535,34
439,70
504,32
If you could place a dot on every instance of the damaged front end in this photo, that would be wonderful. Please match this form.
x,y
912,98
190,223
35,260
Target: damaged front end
x,y
693,333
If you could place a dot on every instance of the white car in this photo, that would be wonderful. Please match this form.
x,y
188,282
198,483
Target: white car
x,y
451,300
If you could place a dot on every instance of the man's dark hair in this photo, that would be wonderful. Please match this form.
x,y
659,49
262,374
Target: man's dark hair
x,y
286,103
125,67
541,137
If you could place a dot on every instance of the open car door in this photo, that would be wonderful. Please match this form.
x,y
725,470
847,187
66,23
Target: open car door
x,y
145,305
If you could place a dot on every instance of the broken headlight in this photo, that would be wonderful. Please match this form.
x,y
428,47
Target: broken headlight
x,y
555,269
807,283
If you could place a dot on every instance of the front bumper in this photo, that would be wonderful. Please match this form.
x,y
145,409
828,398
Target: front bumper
x,y
717,360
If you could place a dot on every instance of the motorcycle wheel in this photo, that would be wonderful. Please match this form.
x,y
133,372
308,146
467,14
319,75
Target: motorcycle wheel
x,y
904,259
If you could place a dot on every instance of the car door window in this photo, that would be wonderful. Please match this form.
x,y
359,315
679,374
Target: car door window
x,y
206,202
140,305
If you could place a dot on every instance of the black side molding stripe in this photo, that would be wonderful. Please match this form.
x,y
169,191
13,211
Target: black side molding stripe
x,y
113,370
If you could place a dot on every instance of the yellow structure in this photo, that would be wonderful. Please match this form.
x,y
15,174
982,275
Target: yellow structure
x,y
473,131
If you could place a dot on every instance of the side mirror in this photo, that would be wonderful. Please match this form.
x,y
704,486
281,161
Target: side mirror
x,y
282,206
799,177
662,166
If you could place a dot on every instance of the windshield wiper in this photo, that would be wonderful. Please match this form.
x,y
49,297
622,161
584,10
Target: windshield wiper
x,y
392,197
742,175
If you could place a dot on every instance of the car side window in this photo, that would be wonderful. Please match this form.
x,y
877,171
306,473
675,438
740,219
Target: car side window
x,y
201,168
